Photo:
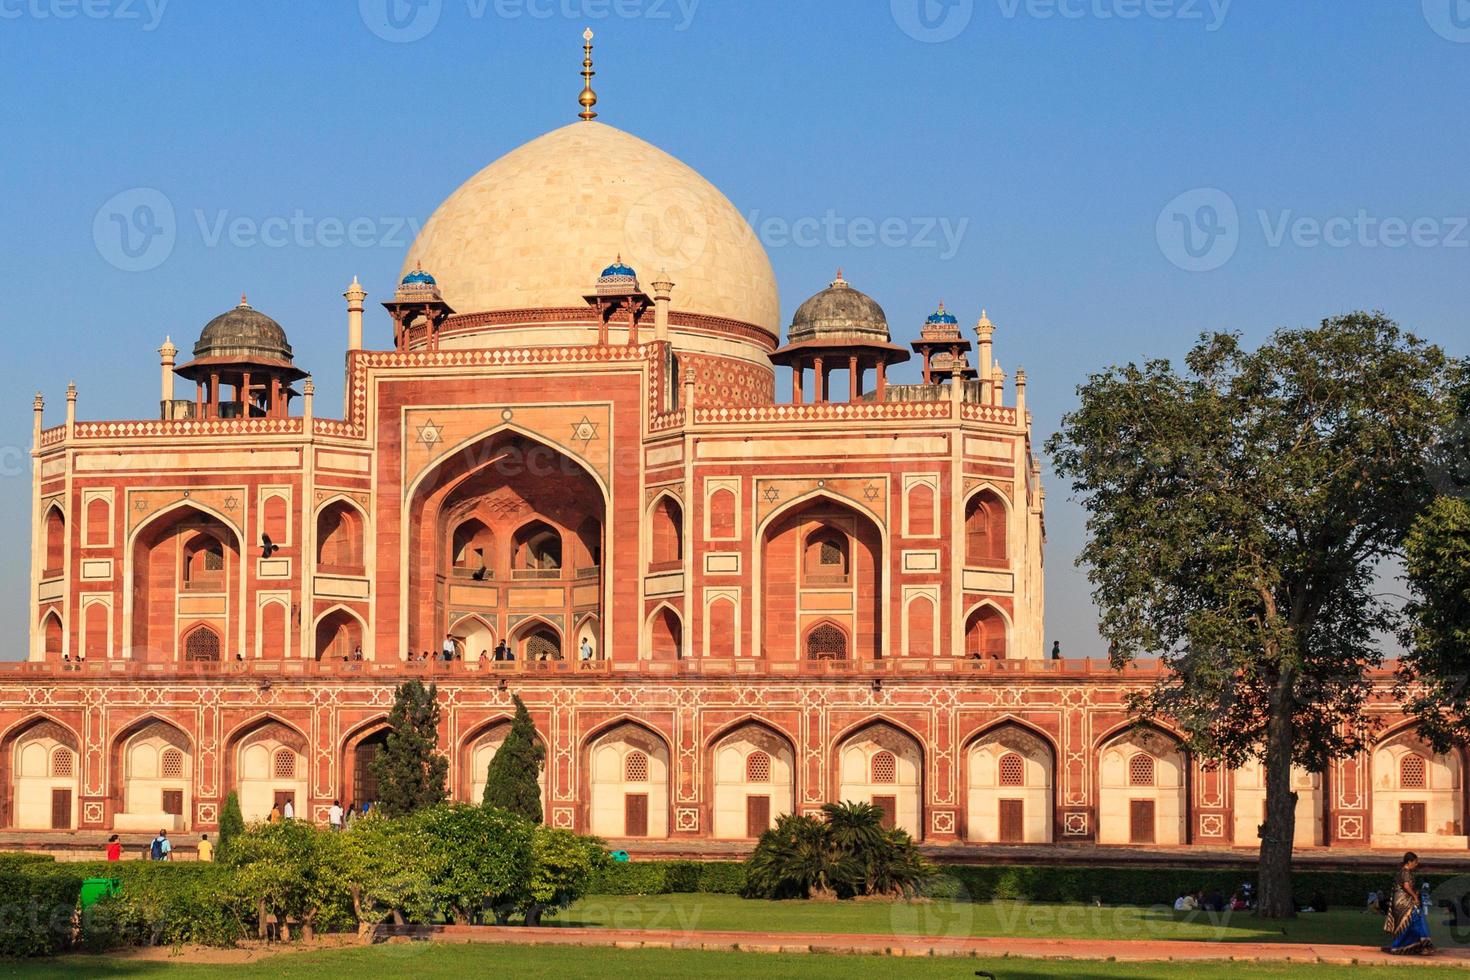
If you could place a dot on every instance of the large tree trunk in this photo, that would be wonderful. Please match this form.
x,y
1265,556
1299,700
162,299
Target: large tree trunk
x,y
1279,830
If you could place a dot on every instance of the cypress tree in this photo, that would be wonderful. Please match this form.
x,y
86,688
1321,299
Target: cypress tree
x,y
231,821
410,770
511,783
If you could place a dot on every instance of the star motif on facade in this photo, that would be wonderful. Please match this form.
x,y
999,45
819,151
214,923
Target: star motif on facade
x,y
430,435
772,495
140,505
584,431
231,503
870,492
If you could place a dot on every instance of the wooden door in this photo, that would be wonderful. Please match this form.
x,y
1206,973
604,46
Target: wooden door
x,y
757,815
1012,821
1412,818
635,815
173,802
1141,821
61,809
889,806
284,796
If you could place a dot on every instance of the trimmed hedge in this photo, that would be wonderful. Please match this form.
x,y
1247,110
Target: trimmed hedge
x,y
38,902
1140,886
669,877
162,903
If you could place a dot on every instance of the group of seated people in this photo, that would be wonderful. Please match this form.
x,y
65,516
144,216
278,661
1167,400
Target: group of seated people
x,y
1214,901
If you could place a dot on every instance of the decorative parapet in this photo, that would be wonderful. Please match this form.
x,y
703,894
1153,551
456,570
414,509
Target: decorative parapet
x,y
844,411
988,413
156,428
53,436
662,423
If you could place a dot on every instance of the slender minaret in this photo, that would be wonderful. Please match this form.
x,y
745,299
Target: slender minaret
x,y
38,407
355,296
588,98
986,330
663,294
71,408
167,357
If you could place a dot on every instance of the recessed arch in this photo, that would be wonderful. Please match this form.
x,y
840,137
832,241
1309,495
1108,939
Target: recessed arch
x,y
663,633
38,793
783,581
897,791
152,763
359,746
341,536
751,778
252,765
338,633
537,638
53,555
1134,811
52,636
155,571
987,518
506,477
989,631
475,636
665,520
628,766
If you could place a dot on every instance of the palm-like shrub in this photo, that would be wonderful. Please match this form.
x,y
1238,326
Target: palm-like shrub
x,y
845,854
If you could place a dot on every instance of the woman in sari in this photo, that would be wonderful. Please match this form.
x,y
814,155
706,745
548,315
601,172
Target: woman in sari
x,y
1406,919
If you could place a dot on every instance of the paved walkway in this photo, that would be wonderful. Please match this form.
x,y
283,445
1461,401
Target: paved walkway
x,y
1128,951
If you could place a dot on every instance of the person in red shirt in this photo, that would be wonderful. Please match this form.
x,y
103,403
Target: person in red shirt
x,y
114,848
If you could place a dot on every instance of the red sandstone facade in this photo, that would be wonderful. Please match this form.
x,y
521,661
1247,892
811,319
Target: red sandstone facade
x,y
721,606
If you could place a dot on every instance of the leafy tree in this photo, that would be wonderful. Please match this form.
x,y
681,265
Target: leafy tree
x,y
293,871
390,870
480,858
512,782
1434,673
1238,511
231,822
563,866
410,769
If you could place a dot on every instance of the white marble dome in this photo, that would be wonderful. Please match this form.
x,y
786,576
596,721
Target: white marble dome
x,y
535,228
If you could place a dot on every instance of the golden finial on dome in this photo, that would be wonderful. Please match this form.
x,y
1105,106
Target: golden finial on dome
x,y
589,97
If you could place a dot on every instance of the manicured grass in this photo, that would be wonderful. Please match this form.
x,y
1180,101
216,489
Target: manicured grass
x,y
730,913
428,960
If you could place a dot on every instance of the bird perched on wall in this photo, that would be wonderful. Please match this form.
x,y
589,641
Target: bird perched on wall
x,y
480,575
267,546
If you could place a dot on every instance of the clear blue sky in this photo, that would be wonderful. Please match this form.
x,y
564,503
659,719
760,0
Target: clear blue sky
x,y
1056,133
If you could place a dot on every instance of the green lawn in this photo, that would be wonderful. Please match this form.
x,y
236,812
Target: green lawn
x,y
728,912
435,960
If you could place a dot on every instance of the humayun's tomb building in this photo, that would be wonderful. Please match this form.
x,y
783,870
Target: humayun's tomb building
x,y
722,606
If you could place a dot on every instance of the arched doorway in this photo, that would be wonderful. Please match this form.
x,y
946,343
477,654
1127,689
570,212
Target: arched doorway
x,y
45,768
1418,795
269,766
754,781
361,751
629,797
156,765
474,637
508,529
665,635
1009,771
987,633
884,766
822,561
1142,789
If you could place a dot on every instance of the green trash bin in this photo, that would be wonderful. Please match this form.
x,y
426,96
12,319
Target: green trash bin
x,y
95,888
